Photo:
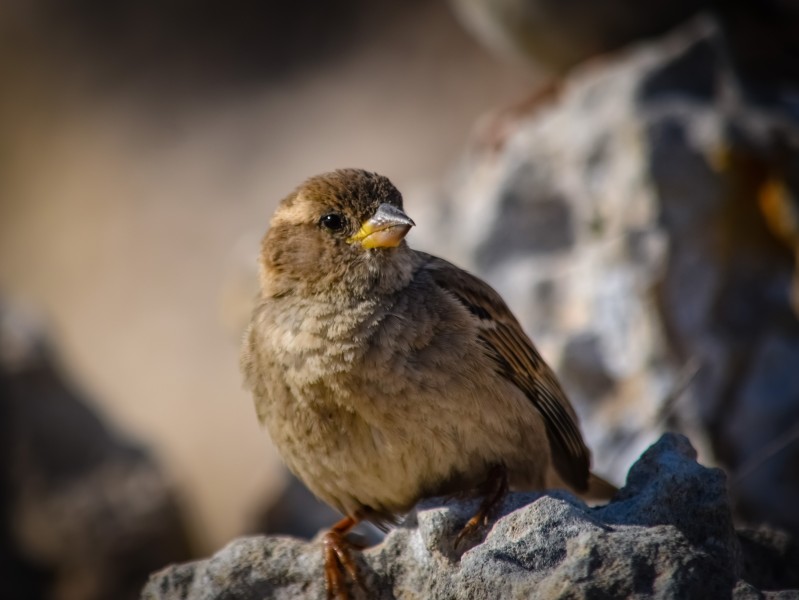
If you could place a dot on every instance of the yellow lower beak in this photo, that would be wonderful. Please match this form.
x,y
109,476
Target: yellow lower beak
x,y
385,229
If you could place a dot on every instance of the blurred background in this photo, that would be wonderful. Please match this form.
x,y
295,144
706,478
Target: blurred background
x,y
625,177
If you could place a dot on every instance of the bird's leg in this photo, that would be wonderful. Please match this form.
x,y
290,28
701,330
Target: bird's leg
x,y
494,490
338,559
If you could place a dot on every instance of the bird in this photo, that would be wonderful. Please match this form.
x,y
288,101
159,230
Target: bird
x,y
386,375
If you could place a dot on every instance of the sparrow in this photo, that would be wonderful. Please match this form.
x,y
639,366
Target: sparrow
x,y
386,375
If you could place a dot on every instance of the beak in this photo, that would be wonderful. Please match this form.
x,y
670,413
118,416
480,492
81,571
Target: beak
x,y
386,229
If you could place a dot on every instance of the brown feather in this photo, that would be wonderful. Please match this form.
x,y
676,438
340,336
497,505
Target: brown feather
x,y
518,360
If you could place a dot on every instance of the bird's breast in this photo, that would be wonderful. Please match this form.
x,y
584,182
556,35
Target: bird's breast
x,y
316,344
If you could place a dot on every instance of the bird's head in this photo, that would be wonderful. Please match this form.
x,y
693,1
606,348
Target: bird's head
x,y
341,232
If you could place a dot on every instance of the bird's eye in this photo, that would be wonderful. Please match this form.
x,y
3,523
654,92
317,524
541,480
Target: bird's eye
x,y
332,221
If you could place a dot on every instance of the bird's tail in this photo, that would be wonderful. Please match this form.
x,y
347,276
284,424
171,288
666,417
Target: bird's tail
x,y
598,489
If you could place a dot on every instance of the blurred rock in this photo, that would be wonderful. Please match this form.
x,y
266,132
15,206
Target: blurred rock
x,y
298,513
770,557
638,224
295,512
762,41
760,37
558,34
667,534
84,513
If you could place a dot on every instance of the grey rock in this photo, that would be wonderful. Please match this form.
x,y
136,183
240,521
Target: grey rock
x,y
644,227
667,534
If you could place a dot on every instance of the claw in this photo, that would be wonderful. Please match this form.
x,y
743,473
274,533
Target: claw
x,y
495,488
339,563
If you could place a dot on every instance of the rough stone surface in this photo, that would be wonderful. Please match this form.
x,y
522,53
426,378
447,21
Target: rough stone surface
x,y
644,225
667,534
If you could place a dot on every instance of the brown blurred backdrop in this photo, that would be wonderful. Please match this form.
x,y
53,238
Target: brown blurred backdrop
x,y
143,147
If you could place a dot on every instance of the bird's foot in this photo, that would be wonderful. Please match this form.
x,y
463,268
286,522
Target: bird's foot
x,y
494,489
339,563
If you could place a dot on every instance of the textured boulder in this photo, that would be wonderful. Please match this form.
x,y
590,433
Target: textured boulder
x,y
667,534
644,226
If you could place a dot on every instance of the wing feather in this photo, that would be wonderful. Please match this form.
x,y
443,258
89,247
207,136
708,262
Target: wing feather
x,y
518,360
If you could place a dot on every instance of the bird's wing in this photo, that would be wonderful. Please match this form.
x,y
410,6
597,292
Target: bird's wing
x,y
517,359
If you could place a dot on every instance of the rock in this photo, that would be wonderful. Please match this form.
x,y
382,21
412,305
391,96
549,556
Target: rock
x,y
644,227
559,34
762,42
667,534
85,514
771,558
